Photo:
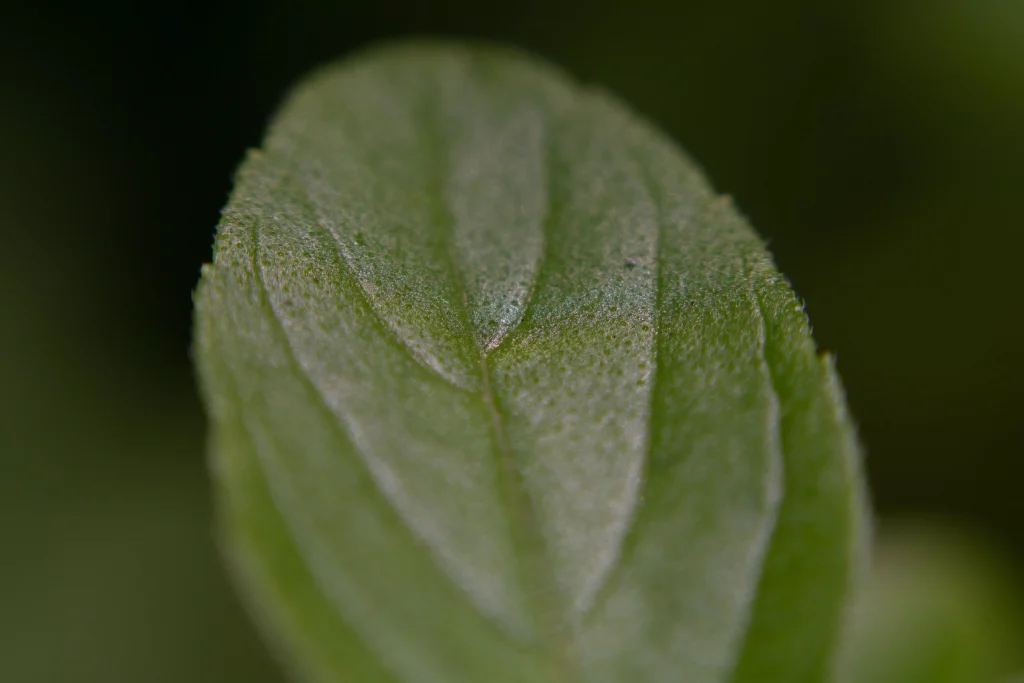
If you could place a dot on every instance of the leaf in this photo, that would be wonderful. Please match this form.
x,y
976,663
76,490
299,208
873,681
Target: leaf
x,y
501,391
941,607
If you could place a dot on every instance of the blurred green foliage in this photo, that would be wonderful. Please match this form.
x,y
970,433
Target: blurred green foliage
x,y
876,144
942,607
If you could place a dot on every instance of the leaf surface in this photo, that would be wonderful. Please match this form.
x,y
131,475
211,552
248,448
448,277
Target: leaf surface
x,y
502,391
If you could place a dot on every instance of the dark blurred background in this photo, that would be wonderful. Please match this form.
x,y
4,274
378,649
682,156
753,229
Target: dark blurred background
x,y
878,145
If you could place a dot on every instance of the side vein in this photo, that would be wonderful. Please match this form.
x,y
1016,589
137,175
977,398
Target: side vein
x,y
336,424
628,536
318,399
242,557
550,218
344,260
755,597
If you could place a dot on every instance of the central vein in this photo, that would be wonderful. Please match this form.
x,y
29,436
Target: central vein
x,y
535,570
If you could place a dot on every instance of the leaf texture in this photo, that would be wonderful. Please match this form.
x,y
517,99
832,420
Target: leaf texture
x,y
501,391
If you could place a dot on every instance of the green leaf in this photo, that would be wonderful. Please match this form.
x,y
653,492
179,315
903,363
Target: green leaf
x,y
501,391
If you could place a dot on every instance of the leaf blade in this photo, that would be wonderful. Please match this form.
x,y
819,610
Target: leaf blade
x,y
520,327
